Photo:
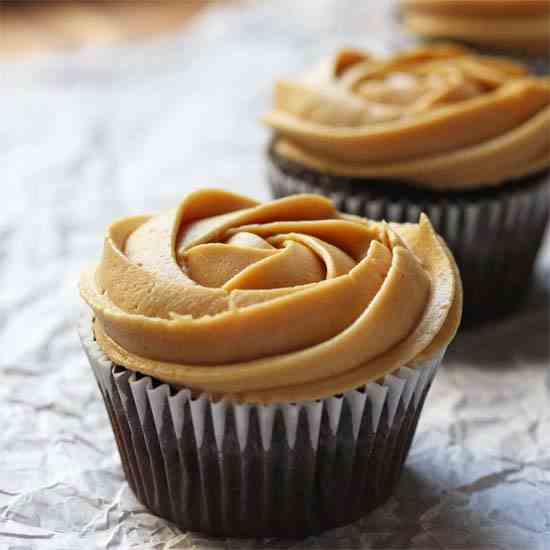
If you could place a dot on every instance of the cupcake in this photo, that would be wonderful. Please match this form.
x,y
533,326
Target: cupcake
x,y
440,130
514,27
264,365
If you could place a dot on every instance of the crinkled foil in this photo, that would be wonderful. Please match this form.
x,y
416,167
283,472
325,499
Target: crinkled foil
x,y
90,137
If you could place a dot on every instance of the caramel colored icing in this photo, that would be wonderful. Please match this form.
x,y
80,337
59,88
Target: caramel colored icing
x,y
521,26
437,117
275,302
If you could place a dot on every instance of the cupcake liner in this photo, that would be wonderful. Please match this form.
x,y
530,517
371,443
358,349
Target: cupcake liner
x,y
494,234
246,470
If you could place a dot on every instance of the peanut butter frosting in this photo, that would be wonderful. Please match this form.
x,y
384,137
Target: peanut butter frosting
x,y
438,117
277,302
521,26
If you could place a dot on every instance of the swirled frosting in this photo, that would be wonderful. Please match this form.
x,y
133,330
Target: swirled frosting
x,y
437,117
275,302
521,26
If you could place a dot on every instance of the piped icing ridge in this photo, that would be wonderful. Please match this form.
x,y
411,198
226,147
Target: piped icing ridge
x,y
276,302
438,117
521,26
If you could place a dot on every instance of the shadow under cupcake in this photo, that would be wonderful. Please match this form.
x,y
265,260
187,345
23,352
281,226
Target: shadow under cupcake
x,y
440,130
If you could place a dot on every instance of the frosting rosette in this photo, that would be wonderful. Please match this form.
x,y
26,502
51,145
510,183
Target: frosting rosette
x,y
277,302
438,117
507,25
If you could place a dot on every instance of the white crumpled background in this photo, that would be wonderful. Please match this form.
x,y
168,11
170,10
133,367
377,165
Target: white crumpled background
x,y
93,136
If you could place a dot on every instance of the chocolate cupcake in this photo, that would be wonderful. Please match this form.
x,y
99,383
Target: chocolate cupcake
x,y
519,28
264,365
440,130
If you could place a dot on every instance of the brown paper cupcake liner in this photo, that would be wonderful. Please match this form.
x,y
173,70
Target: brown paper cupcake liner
x,y
245,470
494,234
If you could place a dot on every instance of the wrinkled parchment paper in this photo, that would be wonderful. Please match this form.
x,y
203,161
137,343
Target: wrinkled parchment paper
x,y
93,136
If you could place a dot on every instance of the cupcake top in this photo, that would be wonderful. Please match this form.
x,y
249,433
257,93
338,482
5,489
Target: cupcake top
x,y
438,117
277,302
521,26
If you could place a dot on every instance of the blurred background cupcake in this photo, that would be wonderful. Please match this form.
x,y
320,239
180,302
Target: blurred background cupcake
x,y
513,27
440,129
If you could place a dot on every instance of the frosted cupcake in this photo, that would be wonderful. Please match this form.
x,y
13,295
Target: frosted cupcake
x,y
462,137
264,365
512,27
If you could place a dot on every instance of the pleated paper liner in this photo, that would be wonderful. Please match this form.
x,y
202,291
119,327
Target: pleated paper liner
x,y
244,470
494,234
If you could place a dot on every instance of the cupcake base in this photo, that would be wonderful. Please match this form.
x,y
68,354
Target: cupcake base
x,y
494,234
243,470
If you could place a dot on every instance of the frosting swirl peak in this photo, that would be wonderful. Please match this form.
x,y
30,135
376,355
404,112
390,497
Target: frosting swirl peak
x,y
439,117
282,301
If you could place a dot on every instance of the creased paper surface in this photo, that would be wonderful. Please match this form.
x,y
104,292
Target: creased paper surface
x,y
94,136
